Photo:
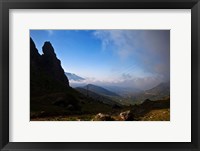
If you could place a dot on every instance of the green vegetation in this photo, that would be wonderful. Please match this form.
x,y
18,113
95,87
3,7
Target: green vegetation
x,y
89,110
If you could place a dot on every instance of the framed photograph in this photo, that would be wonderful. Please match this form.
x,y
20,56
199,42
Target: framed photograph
x,y
99,75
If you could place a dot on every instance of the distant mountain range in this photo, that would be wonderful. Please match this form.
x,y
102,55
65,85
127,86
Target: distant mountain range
x,y
123,91
101,94
72,76
122,95
161,91
129,94
125,95
97,97
100,90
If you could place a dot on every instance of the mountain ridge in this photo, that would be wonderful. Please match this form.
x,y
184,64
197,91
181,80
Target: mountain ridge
x,y
100,90
160,91
73,76
97,97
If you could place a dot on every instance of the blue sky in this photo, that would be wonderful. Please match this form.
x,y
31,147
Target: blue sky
x,y
139,58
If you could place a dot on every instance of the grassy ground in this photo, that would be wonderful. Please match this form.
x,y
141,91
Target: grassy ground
x,y
157,115
154,115
44,109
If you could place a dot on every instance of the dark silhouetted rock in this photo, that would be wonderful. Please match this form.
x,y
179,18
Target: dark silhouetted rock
x,y
48,49
47,75
52,64
34,52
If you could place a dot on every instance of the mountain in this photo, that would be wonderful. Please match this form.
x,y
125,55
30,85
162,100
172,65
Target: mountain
x,y
46,74
100,90
123,91
97,97
161,91
49,87
72,76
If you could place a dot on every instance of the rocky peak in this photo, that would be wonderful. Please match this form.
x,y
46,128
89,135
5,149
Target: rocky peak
x,y
47,74
48,49
34,52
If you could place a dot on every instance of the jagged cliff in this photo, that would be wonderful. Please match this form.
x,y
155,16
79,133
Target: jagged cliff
x,y
46,73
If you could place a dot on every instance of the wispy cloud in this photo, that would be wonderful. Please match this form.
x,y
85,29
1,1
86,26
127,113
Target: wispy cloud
x,y
151,48
126,81
50,32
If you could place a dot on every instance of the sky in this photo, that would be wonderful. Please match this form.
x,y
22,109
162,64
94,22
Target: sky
x,y
131,58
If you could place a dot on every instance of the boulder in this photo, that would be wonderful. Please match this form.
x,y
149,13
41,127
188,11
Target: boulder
x,y
103,117
127,115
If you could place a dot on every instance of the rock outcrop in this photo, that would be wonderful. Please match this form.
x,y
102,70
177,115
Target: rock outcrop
x,y
103,117
46,73
127,115
52,64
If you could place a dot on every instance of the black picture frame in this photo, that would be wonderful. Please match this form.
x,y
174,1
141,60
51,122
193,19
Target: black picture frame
x,y
5,5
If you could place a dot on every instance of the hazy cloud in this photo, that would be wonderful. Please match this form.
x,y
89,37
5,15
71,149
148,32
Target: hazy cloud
x,y
126,76
138,83
151,48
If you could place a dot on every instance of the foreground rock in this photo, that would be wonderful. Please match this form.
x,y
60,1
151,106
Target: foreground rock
x,y
102,117
127,115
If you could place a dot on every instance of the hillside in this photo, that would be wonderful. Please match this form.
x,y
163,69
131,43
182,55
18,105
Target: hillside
x,y
161,91
147,111
100,90
123,91
97,97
